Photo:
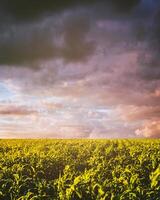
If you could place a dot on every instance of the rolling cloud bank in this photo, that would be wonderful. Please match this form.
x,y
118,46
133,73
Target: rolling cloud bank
x,y
80,68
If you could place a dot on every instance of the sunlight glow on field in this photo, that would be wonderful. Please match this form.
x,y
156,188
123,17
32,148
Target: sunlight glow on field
x,y
80,169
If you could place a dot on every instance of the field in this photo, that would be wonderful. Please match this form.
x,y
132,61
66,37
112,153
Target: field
x,y
80,169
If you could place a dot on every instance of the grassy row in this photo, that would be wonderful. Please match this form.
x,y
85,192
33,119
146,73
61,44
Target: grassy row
x,y
79,169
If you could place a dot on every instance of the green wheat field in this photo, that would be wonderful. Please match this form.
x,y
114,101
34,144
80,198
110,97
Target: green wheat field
x,y
46,169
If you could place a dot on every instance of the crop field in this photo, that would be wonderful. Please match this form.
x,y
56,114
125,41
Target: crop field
x,y
48,169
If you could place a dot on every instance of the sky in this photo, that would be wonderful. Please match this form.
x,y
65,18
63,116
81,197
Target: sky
x,y
79,69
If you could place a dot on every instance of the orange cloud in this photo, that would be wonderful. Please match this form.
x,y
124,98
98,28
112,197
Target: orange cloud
x,y
156,93
150,129
52,105
15,110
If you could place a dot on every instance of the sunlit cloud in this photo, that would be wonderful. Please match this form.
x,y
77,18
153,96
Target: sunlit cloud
x,y
150,129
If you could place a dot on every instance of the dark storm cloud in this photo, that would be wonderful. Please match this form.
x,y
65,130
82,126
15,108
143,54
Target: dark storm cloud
x,y
76,46
149,59
22,41
18,46
22,10
30,9
28,43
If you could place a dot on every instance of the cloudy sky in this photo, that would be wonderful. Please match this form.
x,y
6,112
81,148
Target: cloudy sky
x,y
79,69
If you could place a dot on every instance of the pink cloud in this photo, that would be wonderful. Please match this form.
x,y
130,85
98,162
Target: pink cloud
x,y
134,113
150,129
